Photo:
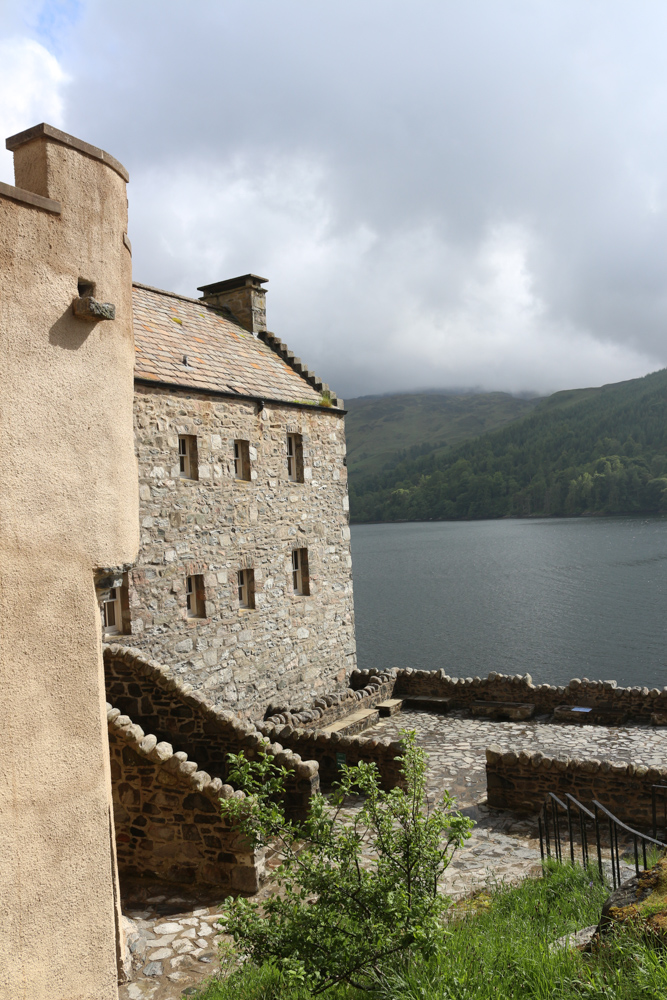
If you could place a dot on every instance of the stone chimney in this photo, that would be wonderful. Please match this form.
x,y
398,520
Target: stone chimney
x,y
243,296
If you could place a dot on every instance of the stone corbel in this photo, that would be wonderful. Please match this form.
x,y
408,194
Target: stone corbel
x,y
89,309
106,580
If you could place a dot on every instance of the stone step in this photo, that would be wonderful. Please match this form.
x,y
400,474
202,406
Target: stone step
x,y
354,723
502,709
389,707
428,702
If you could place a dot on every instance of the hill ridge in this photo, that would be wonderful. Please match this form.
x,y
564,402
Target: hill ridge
x,y
600,450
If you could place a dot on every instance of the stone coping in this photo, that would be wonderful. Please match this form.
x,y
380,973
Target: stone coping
x,y
329,708
29,198
604,695
163,755
65,139
522,781
538,761
223,719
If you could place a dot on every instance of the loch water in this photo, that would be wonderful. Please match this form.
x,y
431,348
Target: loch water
x,y
555,598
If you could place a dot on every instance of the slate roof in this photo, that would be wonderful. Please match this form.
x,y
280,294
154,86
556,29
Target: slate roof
x,y
220,354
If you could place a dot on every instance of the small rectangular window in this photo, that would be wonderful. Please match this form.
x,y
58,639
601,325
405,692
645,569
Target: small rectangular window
x,y
300,578
242,460
246,588
295,458
187,456
195,597
116,610
112,613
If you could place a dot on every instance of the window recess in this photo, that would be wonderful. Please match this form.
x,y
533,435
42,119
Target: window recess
x,y
242,460
300,577
246,588
116,610
195,597
295,458
187,456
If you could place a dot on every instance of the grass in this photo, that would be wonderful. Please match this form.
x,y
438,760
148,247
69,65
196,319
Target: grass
x,y
498,949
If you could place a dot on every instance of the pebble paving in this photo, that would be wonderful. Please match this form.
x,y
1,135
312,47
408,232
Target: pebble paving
x,y
174,938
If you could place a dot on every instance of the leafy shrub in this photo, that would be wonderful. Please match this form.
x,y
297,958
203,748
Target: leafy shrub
x,y
356,890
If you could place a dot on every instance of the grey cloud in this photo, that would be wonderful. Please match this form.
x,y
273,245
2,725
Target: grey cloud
x,y
441,193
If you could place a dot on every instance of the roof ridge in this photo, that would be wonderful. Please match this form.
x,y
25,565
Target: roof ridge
x,y
173,295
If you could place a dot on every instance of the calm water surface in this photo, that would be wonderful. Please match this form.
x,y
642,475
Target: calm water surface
x,y
557,599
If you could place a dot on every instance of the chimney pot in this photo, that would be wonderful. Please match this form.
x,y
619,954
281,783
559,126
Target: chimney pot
x,y
243,296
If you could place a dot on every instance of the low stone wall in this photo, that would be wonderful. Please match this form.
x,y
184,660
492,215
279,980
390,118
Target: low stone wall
x,y
332,749
521,782
635,702
176,713
367,688
167,815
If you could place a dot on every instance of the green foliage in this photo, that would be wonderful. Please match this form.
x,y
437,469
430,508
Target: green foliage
x,y
356,889
594,451
251,982
383,431
502,949
506,952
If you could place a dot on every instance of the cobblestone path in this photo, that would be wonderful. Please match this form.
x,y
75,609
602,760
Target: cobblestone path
x,y
175,936
456,745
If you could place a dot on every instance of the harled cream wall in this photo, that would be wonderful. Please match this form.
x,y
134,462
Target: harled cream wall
x,y
68,505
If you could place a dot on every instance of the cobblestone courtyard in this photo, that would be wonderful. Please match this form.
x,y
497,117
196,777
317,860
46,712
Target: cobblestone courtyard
x,y
176,935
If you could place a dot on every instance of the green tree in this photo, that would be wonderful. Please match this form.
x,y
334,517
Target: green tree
x,y
357,888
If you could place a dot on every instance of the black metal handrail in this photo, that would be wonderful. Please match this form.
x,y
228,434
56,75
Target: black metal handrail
x,y
552,804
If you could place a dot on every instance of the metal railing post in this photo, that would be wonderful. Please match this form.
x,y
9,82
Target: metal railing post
x,y
569,827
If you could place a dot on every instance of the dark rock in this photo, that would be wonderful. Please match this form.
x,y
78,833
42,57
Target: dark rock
x,y
153,969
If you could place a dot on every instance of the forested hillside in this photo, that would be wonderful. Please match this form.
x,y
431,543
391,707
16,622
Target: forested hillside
x,y
589,451
385,430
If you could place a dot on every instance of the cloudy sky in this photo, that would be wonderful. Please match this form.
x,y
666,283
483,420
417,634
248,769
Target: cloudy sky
x,y
442,193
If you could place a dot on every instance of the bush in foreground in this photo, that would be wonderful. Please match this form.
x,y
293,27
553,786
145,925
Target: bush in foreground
x,y
356,889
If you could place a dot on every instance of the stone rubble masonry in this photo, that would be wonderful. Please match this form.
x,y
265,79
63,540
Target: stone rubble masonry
x,y
161,704
304,732
637,702
521,782
176,713
332,749
290,648
167,815
330,708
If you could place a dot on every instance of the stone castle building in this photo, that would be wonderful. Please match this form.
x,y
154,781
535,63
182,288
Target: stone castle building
x,y
243,582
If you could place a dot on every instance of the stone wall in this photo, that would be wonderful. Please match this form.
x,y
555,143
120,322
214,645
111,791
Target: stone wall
x,y
167,815
332,749
290,648
163,706
303,731
635,702
521,782
330,708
